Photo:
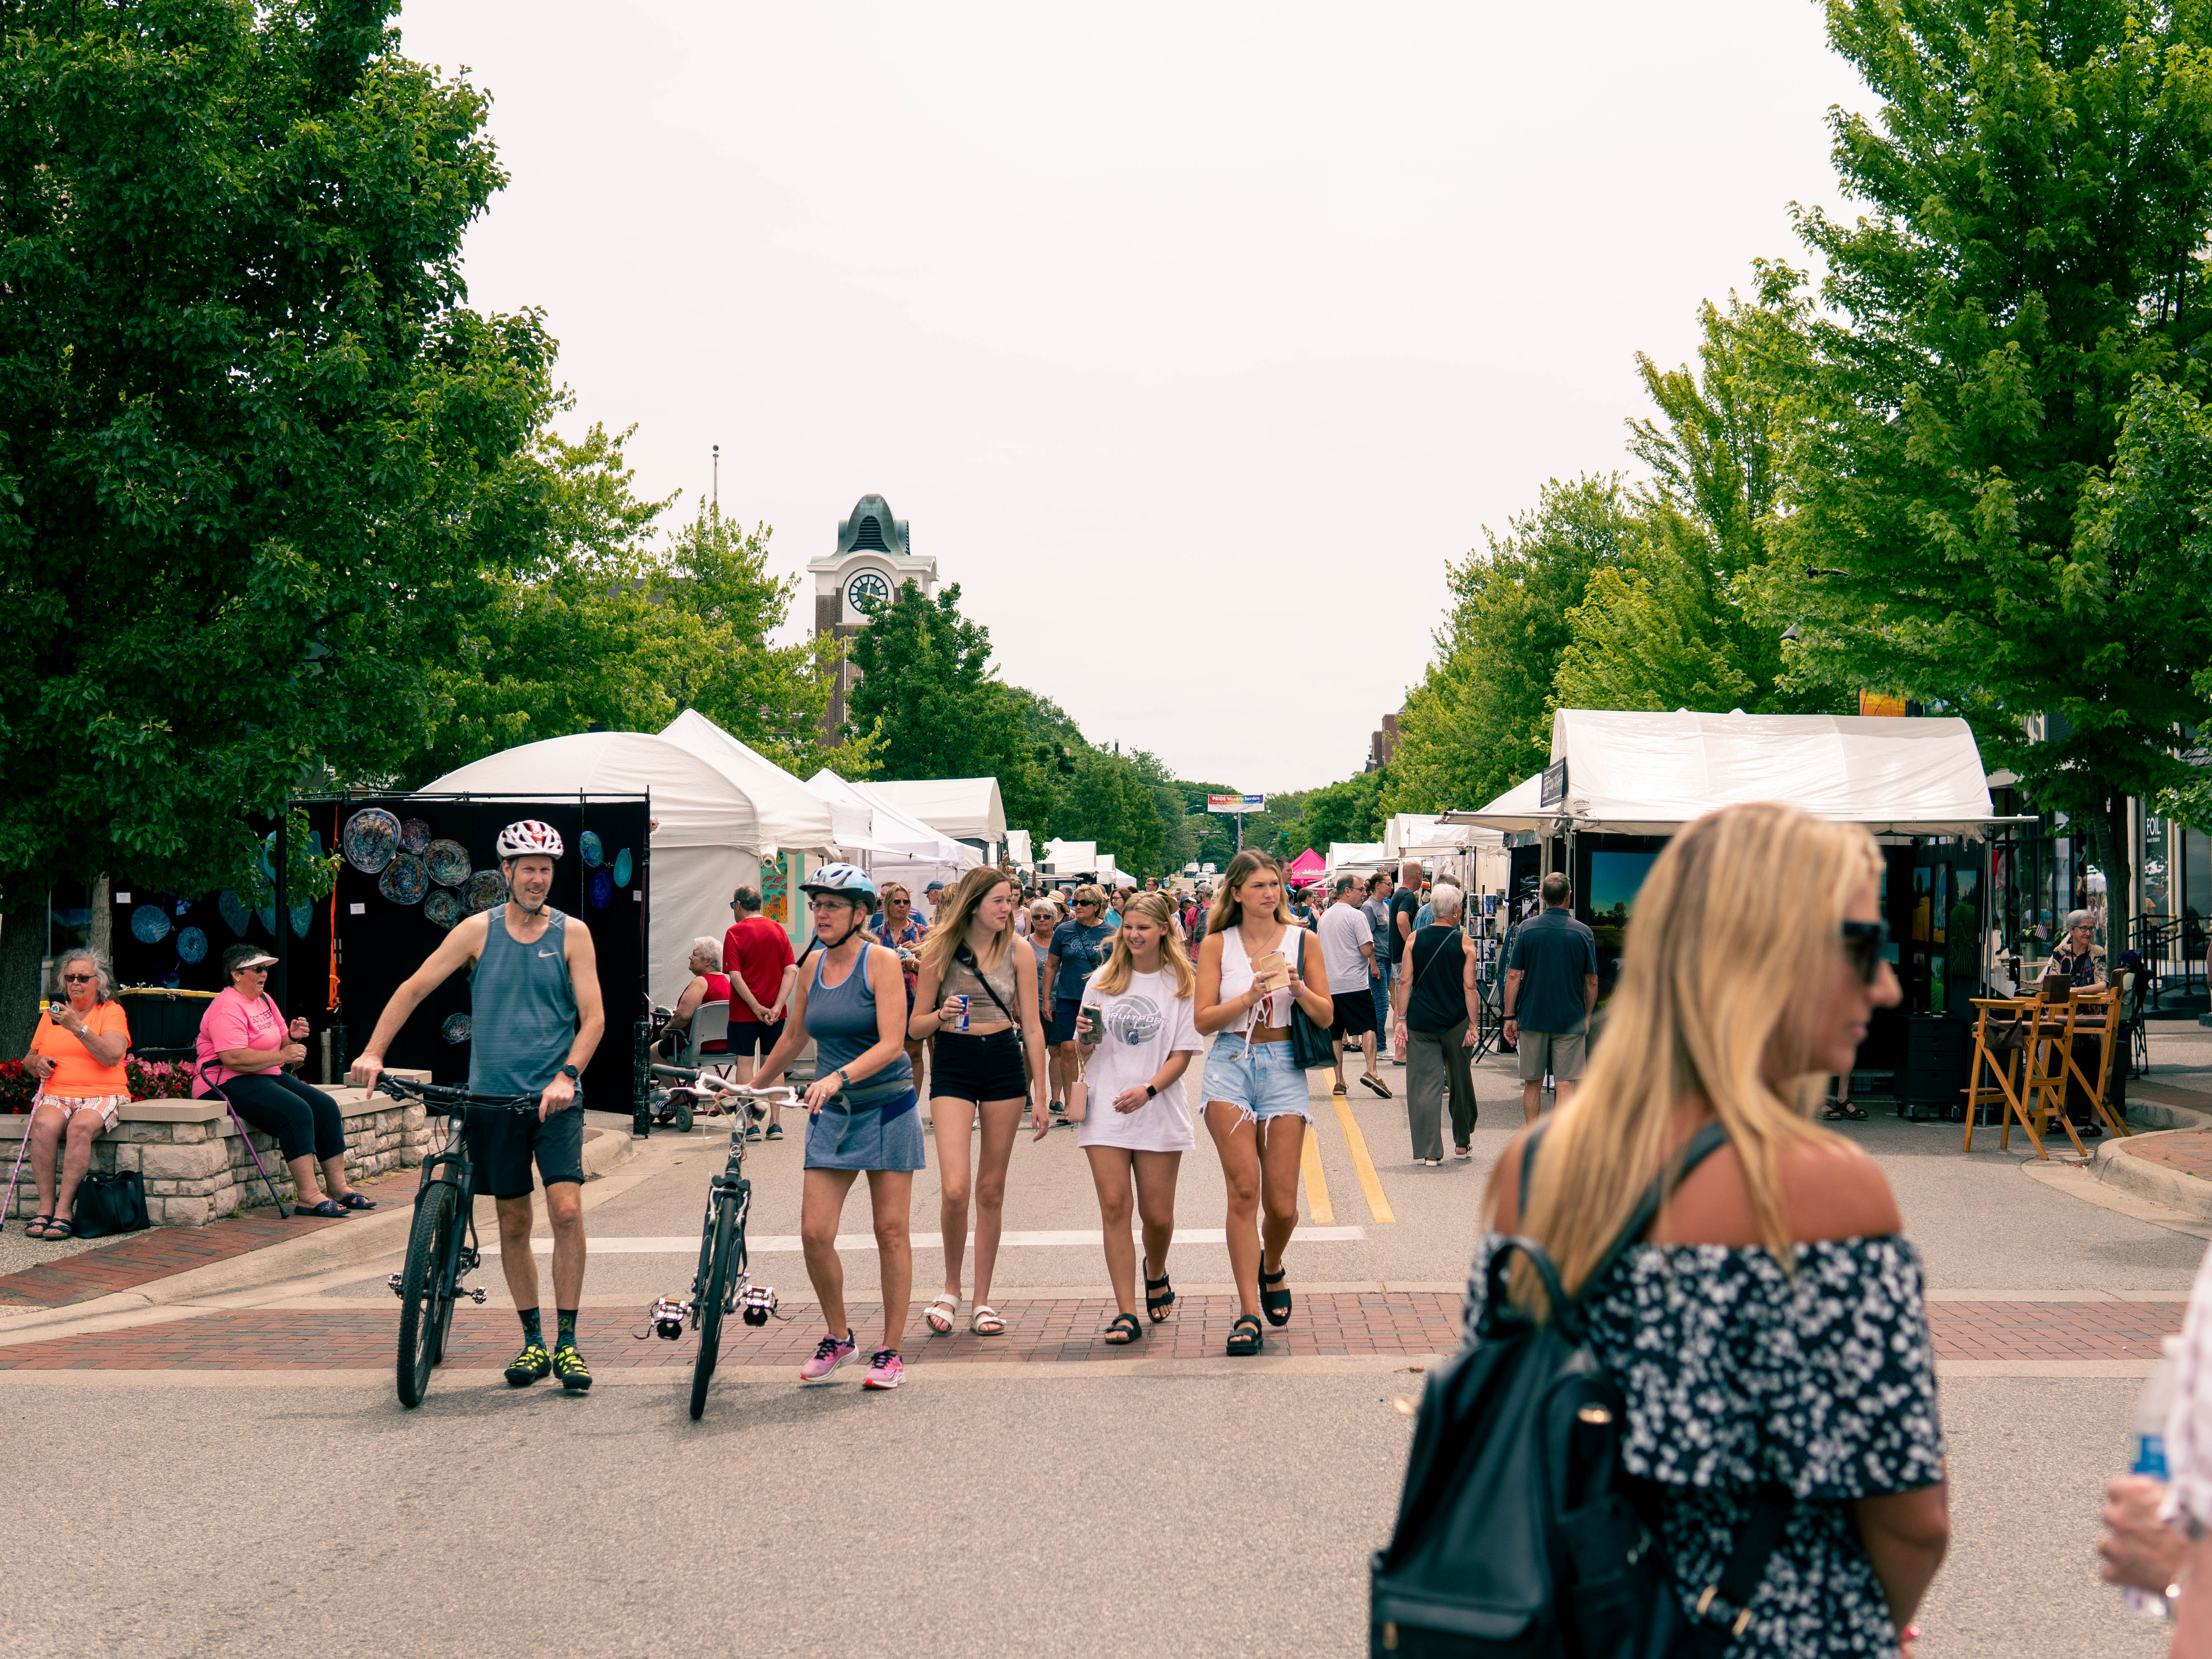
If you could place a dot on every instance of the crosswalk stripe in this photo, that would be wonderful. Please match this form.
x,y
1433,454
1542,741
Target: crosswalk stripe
x,y
787,1243
1363,1166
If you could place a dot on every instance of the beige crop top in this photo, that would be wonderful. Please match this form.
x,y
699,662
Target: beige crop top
x,y
961,981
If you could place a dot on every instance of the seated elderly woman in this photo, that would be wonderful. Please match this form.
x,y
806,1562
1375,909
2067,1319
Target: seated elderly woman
x,y
77,1056
709,984
245,1046
2077,958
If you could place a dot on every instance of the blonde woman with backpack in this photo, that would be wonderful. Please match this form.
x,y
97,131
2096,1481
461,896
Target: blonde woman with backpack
x,y
1137,1126
1256,1105
1768,1329
976,996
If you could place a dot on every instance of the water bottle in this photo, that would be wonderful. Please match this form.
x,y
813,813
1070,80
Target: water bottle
x,y
2153,1406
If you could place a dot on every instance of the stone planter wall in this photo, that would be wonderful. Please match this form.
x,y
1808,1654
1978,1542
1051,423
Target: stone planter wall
x,y
197,1167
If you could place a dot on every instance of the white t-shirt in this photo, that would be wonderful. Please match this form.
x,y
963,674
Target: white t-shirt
x,y
1144,1025
1343,930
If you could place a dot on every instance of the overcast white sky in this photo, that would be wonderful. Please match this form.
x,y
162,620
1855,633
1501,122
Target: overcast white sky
x,y
1224,327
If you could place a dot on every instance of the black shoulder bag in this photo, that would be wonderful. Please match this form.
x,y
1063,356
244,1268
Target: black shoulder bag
x,y
1310,1043
1519,1534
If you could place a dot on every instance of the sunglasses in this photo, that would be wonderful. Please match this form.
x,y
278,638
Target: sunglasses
x,y
79,979
1864,943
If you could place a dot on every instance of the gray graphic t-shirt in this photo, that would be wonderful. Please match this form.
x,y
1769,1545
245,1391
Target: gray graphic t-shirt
x,y
1143,1026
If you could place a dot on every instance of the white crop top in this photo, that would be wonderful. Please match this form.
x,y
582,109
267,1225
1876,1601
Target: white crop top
x,y
1237,973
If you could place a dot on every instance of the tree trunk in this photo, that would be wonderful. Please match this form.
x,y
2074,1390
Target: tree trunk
x,y
23,958
102,936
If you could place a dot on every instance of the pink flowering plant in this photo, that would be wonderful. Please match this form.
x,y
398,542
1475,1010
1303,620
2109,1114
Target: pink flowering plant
x,y
159,1079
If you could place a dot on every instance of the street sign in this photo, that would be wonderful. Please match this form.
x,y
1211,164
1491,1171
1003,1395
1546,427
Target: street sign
x,y
1555,784
1236,804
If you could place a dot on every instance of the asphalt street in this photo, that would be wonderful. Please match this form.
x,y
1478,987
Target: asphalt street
x,y
1215,1506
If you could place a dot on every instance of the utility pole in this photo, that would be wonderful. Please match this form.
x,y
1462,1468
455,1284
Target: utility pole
x,y
718,478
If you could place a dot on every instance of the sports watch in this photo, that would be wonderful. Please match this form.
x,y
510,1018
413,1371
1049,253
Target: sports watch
x,y
572,1073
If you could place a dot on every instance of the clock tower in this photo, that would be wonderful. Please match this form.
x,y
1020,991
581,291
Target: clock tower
x,y
874,556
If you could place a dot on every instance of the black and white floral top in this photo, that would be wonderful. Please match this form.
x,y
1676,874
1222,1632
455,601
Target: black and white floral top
x,y
1738,1375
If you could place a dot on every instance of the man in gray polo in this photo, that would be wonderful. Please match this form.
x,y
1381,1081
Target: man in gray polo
x,y
1551,983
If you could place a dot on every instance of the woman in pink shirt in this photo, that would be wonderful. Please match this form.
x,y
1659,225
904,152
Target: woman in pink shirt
x,y
245,1046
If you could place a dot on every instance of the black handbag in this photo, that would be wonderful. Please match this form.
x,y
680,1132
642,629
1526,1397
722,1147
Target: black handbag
x,y
1310,1043
108,1204
1519,1534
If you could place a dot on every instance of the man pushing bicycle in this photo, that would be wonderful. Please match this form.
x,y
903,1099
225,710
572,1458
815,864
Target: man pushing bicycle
x,y
535,1018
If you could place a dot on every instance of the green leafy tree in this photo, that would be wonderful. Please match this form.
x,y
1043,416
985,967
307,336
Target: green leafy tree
x,y
1981,511
258,461
1108,801
1481,721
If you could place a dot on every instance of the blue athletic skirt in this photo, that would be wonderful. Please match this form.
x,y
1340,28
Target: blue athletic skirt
x,y
883,1135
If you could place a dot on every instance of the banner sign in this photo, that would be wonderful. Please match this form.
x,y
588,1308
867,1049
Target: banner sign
x,y
1554,786
1237,803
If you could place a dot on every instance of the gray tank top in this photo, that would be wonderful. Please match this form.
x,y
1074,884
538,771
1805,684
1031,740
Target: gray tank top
x,y
522,1015
841,1020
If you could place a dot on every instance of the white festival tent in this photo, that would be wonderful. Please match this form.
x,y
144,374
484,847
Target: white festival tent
x,y
707,836
1638,774
791,817
902,848
1356,856
965,809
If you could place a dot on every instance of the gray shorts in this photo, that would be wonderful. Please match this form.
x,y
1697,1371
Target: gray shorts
x,y
1560,1053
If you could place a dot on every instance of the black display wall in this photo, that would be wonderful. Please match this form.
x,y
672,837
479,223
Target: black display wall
x,y
383,936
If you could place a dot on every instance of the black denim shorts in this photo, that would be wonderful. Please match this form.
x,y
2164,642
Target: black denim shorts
x,y
965,1065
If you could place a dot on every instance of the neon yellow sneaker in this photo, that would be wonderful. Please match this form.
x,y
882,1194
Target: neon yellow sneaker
x,y
569,1366
530,1365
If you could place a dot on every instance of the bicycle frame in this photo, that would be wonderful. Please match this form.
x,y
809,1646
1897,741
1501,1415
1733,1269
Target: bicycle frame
x,y
669,1315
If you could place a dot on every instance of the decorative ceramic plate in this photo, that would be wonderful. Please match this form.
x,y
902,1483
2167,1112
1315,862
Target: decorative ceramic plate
x,y
456,1027
448,861
267,915
441,907
486,888
599,889
413,835
405,880
150,924
621,868
589,845
303,918
372,836
234,911
191,945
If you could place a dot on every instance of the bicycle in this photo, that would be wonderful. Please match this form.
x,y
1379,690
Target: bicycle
x,y
720,1285
437,1259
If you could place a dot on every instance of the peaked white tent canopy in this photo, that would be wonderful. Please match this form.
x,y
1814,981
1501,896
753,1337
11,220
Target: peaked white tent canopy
x,y
707,833
966,809
787,813
905,849
1636,773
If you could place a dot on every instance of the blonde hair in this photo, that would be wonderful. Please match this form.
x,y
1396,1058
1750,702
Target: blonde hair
x,y
1741,913
949,933
1090,893
884,893
1121,962
1228,909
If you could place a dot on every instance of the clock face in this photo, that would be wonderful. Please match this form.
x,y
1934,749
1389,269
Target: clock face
x,y
868,592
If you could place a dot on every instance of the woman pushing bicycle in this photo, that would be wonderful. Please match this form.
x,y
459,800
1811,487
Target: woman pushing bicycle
x,y
977,996
861,1114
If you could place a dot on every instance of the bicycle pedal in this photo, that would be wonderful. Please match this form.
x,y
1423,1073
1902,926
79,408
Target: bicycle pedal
x,y
668,1317
475,1295
397,1288
758,1303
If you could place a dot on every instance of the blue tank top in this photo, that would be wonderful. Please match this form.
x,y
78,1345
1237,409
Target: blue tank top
x,y
841,1020
522,1015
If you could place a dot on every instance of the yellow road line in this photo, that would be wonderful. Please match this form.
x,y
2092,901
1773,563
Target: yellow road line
x,y
1319,1209
1362,1165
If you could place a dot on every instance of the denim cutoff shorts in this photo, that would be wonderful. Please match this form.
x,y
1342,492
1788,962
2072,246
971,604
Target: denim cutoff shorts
x,y
1263,1082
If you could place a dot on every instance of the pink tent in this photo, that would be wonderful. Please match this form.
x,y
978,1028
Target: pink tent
x,y
1307,868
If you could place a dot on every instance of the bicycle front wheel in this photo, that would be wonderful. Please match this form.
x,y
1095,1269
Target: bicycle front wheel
x,y
713,1291
425,1294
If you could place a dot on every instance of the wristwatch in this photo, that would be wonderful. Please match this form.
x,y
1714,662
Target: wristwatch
x,y
1150,1093
572,1073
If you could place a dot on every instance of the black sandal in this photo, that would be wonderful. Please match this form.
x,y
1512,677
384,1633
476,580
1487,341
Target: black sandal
x,y
1275,1304
1840,1111
60,1226
1122,1329
1158,1306
1244,1337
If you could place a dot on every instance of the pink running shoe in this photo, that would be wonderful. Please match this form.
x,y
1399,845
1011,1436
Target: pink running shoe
x,y
828,1356
885,1370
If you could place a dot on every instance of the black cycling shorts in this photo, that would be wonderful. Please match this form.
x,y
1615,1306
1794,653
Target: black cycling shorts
x,y
502,1144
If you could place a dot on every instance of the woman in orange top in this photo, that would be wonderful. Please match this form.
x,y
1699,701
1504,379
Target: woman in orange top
x,y
77,1054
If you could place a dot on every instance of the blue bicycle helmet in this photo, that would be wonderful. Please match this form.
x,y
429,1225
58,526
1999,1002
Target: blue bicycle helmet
x,y
848,881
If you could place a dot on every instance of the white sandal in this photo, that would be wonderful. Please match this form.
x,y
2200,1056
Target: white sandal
x,y
939,1315
985,1322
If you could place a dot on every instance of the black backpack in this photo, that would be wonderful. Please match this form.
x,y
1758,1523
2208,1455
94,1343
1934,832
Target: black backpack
x,y
1519,1534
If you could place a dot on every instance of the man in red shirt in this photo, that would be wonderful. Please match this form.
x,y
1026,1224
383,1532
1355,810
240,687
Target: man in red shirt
x,y
756,956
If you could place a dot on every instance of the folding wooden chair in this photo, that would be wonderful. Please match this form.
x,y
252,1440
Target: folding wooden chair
x,y
2002,1034
2050,1051
2099,1013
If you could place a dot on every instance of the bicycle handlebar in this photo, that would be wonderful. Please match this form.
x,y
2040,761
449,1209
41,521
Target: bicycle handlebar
x,y
785,1095
446,1098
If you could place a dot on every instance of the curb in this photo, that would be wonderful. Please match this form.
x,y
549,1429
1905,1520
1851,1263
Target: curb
x,y
363,1238
2115,1164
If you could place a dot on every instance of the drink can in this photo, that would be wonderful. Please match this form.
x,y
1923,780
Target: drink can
x,y
960,1019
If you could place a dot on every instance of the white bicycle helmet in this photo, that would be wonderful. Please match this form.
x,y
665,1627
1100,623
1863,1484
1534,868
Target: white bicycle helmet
x,y
845,880
529,838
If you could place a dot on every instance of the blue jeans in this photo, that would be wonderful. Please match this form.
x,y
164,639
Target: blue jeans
x,y
1381,988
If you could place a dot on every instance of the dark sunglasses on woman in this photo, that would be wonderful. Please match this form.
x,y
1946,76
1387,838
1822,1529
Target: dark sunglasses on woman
x,y
1864,944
